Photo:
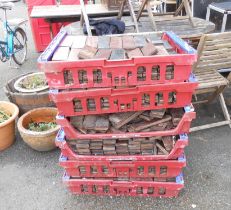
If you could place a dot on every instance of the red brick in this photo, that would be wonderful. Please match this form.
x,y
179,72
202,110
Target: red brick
x,y
149,49
87,52
128,42
103,53
116,42
92,41
134,53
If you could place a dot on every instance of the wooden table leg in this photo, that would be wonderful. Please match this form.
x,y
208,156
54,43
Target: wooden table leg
x,y
121,10
133,15
141,9
151,17
208,14
224,22
188,12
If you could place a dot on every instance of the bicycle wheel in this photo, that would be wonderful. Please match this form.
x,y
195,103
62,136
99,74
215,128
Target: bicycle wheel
x,y
20,46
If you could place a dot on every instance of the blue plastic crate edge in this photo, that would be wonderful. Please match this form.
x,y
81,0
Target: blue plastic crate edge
x,y
47,54
183,45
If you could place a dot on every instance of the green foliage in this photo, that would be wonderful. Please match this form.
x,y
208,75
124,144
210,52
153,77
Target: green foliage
x,y
4,116
33,82
41,126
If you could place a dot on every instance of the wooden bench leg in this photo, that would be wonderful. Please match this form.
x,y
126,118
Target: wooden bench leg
x,y
215,94
224,22
224,108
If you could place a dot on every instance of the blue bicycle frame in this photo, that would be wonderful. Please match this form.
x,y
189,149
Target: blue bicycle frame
x,y
7,46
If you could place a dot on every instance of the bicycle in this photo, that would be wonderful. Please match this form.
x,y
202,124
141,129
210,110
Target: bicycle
x,y
15,44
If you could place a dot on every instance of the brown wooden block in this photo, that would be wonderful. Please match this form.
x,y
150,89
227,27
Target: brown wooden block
x,y
158,113
73,55
109,141
134,53
162,149
168,143
77,121
116,42
102,124
128,42
92,41
89,122
140,41
61,54
120,119
149,49
79,42
87,52
145,116
118,54
162,50
144,125
103,54
103,42
177,115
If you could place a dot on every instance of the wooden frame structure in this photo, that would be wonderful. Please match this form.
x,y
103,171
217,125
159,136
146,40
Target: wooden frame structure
x,y
184,4
214,53
84,16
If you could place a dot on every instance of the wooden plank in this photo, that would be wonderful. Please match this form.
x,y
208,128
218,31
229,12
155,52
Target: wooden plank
x,y
104,42
218,35
73,55
68,41
92,41
134,53
117,54
211,125
103,53
79,42
140,41
128,42
116,42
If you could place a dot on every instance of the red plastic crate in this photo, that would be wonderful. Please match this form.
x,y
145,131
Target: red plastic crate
x,y
124,188
67,151
108,100
122,168
182,127
119,72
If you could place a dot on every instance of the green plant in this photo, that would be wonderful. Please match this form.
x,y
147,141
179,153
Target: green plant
x,y
41,126
3,116
33,82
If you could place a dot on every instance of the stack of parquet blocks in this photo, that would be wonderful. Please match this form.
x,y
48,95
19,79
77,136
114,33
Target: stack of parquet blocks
x,y
125,120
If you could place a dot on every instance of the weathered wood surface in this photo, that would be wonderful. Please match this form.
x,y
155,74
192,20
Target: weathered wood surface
x,y
180,26
213,55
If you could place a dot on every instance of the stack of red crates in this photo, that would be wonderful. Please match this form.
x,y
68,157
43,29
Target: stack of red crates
x,y
134,175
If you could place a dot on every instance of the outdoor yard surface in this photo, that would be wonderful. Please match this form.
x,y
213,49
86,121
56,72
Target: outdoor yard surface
x,y
32,180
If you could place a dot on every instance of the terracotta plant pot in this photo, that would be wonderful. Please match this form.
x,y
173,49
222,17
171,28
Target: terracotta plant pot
x,y
7,128
42,140
27,101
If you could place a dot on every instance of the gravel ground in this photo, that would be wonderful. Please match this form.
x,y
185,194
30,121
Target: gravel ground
x,y
32,180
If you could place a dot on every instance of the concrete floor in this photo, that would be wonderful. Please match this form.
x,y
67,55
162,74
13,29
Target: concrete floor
x,y
32,180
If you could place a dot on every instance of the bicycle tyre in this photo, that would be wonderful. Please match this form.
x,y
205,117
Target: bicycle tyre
x,y
20,34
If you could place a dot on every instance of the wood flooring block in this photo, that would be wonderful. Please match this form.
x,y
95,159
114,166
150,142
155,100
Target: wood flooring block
x,y
61,54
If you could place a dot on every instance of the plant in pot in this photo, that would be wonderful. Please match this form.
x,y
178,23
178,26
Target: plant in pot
x,y
28,92
8,114
38,128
